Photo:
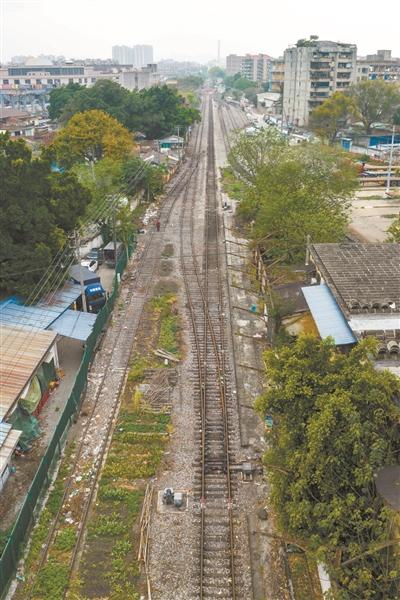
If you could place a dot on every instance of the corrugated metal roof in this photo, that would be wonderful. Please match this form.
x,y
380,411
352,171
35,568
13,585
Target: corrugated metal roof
x,y
14,313
74,324
21,353
327,315
7,444
62,299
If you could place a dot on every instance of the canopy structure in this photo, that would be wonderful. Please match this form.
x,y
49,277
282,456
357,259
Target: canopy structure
x,y
74,324
327,315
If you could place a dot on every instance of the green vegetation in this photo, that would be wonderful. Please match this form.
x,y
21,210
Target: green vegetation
x,y
137,446
376,101
59,98
289,192
39,209
368,102
165,310
335,424
49,586
92,135
332,115
394,231
156,112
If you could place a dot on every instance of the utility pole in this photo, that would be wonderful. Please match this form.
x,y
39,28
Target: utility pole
x,y
114,237
389,175
78,259
308,249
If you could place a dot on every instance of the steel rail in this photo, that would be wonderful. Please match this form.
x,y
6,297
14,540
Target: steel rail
x,y
173,194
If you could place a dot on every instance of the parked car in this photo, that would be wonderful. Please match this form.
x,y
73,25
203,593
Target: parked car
x,y
90,263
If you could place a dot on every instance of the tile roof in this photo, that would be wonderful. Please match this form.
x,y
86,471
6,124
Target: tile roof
x,y
364,278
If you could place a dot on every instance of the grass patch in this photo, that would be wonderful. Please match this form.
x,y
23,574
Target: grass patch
x,y
52,580
66,539
110,567
165,308
304,577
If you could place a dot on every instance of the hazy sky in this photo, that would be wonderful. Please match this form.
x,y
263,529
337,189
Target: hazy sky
x,y
184,29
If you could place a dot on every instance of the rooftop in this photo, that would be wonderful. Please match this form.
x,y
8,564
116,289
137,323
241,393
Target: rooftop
x,y
22,350
327,315
364,278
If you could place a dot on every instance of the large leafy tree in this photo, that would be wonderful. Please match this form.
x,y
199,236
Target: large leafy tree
x,y
375,101
328,118
107,96
291,192
335,423
59,97
38,209
156,112
92,135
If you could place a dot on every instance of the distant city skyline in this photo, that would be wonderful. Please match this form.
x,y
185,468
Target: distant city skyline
x,y
89,28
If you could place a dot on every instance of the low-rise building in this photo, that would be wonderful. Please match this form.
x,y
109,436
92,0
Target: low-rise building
x,y
379,66
17,123
358,294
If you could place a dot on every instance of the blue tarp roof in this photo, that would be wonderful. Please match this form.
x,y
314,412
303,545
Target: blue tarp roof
x,y
327,315
74,324
41,316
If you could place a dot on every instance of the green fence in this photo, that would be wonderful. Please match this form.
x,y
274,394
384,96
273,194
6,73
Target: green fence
x,y
25,520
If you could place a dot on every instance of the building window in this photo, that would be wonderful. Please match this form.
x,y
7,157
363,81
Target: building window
x,y
6,82
38,81
27,81
16,81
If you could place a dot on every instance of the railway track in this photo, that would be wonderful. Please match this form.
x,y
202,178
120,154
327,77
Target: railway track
x,y
105,382
211,373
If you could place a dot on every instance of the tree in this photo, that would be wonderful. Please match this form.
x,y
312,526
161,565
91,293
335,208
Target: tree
x,y
216,73
250,153
105,95
327,119
375,101
335,424
156,112
92,135
38,209
59,97
292,191
394,231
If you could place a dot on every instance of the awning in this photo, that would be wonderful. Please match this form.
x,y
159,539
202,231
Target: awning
x,y
327,315
74,324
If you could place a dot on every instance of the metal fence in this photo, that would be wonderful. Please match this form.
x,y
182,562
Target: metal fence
x,y
26,517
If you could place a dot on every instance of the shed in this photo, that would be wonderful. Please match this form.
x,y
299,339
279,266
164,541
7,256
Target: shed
x,y
77,272
22,352
327,315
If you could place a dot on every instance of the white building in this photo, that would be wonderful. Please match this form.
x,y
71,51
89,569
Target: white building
x,y
138,56
314,70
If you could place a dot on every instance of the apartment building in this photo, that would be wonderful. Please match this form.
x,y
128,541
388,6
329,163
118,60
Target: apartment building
x,y
138,56
379,66
314,70
277,75
255,67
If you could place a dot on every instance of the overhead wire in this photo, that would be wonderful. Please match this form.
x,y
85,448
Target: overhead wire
x,y
32,331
